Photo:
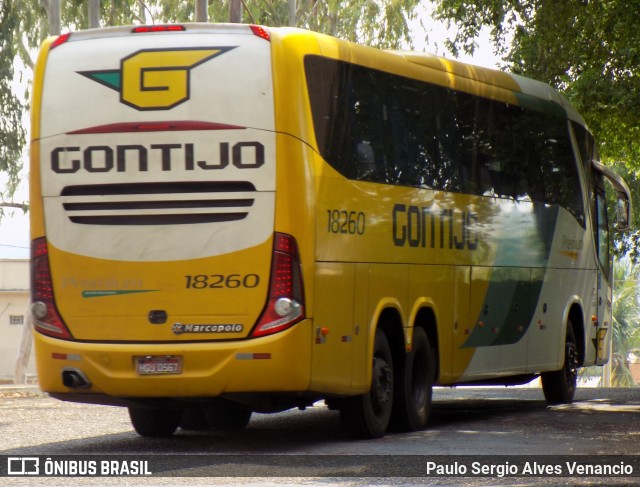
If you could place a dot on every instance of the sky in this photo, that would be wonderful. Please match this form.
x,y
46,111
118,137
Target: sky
x,y
14,225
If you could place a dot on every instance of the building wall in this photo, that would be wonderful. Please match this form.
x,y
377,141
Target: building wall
x,y
14,304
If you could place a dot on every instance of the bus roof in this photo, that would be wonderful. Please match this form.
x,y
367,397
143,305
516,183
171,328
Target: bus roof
x,y
494,77
456,69
127,30
494,81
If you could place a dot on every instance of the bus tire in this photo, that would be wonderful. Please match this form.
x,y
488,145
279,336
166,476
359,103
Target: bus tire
x,y
367,415
412,402
559,386
155,423
224,415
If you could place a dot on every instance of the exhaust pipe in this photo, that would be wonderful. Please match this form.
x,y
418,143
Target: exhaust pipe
x,y
74,379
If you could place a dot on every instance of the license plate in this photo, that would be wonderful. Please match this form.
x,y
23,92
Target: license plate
x,y
158,365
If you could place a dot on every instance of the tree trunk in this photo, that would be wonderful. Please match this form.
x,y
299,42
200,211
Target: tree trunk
x,y
292,13
94,14
201,11
53,16
235,11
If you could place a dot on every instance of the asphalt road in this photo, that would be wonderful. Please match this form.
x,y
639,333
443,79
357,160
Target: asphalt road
x,y
310,448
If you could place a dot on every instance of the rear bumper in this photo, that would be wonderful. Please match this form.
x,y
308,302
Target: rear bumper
x,y
277,363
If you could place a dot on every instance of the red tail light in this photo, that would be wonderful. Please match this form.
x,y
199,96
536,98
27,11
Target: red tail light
x,y
143,29
60,40
260,32
285,305
43,307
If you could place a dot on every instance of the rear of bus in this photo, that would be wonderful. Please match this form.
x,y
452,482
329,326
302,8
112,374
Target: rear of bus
x,y
159,267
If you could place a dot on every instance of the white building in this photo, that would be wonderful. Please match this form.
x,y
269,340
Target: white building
x,y
14,303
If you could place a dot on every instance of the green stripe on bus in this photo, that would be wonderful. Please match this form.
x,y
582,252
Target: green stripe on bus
x,y
513,292
115,292
549,107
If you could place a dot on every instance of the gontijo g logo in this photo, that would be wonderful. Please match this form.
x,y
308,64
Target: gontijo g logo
x,y
155,79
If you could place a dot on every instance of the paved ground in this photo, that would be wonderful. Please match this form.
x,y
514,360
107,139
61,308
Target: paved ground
x,y
468,422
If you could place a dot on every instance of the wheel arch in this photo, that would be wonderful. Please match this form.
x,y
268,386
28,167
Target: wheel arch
x,y
390,322
426,319
575,319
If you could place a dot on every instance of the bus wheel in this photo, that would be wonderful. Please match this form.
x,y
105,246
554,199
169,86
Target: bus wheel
x,y
224,415
559,386
412,402
367,416
155,422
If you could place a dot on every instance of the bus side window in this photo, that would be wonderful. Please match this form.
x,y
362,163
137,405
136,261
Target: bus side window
x,y
366,163
602,231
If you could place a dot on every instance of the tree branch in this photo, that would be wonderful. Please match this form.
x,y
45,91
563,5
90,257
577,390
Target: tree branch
x,y
9,204
24,54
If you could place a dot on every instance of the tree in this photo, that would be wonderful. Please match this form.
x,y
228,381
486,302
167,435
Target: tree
x,y
626,324
380,23
590,50
12,132
626,319
627,244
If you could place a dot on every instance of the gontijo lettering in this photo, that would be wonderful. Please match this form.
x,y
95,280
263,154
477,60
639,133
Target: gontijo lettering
x,y
426,226
167,157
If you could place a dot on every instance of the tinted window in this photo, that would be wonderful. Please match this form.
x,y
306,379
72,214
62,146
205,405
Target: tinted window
x,y
375,126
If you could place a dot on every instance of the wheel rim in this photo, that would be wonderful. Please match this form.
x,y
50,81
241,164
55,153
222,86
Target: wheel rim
x,y
381,388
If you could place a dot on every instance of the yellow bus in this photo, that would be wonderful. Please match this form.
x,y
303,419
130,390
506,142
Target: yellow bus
x,y
229,219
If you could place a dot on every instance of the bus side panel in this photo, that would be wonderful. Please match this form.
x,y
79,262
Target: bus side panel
x,y
334,328
562,289
569,279
455,361
388,290
433,287
361,318
342,354
546,348
546,336
500,328
600,335
380,287
295,200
